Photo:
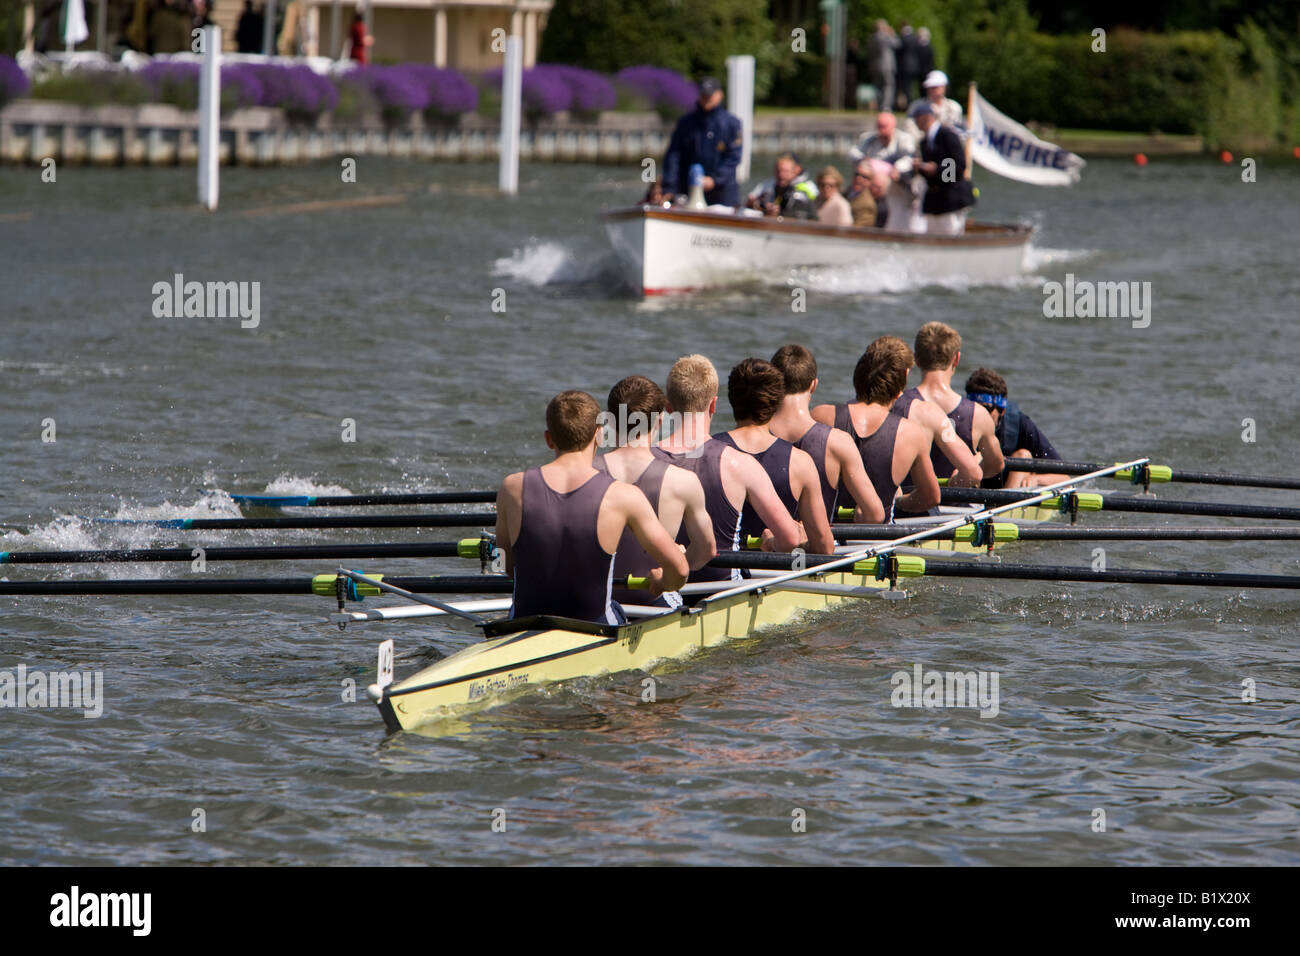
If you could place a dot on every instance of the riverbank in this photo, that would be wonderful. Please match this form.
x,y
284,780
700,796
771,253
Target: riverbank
x,y
155,134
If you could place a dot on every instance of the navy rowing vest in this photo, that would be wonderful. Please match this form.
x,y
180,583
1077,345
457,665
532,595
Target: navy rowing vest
x,y
877,451
560,567
631,558
963,422
775,460
705,462
814,442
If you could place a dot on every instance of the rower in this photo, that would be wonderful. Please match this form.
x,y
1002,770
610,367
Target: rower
x,y
965,448
892,448
636,406
755,390
730,477
1017,434
833,452
559,525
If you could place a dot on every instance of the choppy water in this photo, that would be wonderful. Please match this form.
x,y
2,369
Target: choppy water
x,y
1120,698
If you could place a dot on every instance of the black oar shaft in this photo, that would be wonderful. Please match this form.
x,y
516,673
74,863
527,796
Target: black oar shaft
x,y
1034,572
442,584
343,501
432,549
1209,509
468,520
1053,467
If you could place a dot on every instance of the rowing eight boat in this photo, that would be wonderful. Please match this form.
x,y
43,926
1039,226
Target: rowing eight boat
x,y
527,652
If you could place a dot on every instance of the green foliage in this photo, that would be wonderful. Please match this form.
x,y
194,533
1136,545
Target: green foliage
x,y
690,37
90,88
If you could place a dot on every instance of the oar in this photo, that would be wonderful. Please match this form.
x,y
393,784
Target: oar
x,y
344,501
879,549
472,519
1151,473
321,584
1090,501
419,599
917,566
1011,531
465,548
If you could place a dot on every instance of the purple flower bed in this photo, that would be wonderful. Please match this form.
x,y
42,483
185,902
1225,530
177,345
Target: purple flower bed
x,y
664,90
590,91
300,91
399,90
13,81
450,94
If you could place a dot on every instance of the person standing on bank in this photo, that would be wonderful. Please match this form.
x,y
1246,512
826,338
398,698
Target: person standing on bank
x,y
711,137
948,195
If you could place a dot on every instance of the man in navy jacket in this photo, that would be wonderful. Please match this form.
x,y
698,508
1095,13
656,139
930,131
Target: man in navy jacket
x,y
710,136
948,193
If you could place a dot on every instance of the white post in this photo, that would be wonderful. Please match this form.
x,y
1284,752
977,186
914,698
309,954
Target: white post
x,y
336,27
209,117
512,81
740,101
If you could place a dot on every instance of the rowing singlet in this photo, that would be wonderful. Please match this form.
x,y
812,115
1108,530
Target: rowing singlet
x,y
631,558
560,567
775,460
706,463
877,450
963,422
903,404
814,441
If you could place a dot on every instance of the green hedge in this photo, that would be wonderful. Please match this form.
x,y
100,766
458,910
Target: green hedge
x,y
1235,92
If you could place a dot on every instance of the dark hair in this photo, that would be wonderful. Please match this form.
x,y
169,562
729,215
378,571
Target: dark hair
x,y
571,418
881,374
636,393
755,389
798,366
987,381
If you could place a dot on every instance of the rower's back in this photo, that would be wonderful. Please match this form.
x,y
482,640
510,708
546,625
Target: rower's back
x,y
560,567
631,558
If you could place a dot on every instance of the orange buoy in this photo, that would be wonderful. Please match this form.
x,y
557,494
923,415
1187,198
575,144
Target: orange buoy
x,y
1296,152
1140,159
1225,156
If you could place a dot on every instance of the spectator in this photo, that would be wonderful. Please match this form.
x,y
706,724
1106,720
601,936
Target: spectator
x,y
862,204
712,137
898,149
248,32
943,164
788,193
881,62
832,208
361,40
924,53
949,111
909,63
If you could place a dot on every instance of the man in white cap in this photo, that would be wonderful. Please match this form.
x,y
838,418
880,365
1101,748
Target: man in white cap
x,y
936,94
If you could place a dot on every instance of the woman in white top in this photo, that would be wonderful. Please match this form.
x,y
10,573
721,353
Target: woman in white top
x,y
832,208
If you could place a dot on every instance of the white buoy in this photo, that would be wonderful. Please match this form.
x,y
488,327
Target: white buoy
x,y
210,117
512,82
740,102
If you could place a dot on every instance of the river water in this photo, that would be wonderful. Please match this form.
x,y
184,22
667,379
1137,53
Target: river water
x,y
1120,699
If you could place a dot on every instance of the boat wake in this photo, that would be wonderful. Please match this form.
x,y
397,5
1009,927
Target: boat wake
x,y
878,279
554,264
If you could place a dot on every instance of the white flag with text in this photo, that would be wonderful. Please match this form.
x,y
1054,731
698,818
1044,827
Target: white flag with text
x,y
1003,146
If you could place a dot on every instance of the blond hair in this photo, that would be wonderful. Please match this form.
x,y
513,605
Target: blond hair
x,y
936,346
692,384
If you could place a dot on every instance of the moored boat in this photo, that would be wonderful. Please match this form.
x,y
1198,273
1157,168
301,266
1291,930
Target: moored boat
x,y
679,250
